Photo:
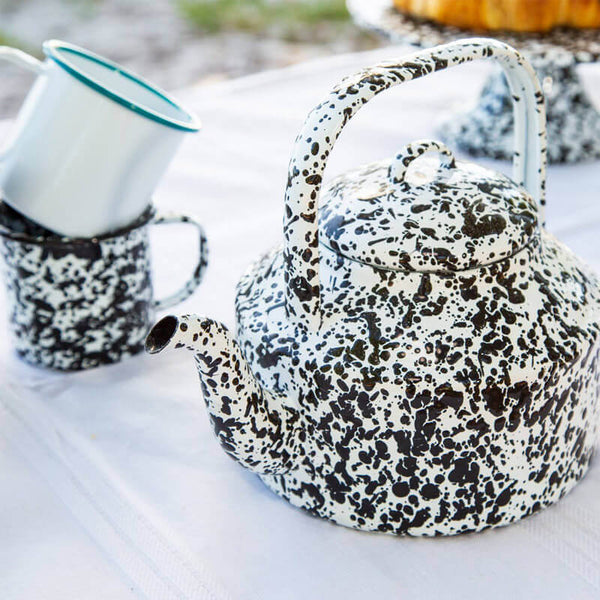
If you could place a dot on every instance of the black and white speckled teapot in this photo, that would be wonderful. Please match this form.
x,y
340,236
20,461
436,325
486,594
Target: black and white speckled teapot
x,y
421,357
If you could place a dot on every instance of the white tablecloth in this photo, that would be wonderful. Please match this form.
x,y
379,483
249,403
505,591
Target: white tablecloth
x,y
111,483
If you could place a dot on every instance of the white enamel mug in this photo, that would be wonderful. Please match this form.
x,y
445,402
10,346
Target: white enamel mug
x,y
90,143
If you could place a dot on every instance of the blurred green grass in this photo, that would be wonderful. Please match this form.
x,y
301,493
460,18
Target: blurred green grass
x,y
9,40
288,17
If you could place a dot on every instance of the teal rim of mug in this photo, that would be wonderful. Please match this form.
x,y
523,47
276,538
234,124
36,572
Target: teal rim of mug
x,y
58,51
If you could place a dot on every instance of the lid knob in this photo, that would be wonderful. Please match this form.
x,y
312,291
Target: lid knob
x,y
412,151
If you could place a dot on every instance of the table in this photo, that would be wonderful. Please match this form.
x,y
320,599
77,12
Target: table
x,y
112,485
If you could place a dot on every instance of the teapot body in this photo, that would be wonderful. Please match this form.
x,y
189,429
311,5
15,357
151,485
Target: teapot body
x,y
420,356
433,403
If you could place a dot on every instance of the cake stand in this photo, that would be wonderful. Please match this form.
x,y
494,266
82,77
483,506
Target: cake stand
x,y
573,121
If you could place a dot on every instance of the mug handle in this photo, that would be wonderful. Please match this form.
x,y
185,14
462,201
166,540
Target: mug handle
x,y
21,59
194,281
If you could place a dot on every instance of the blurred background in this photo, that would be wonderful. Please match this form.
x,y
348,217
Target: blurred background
x,y
179,43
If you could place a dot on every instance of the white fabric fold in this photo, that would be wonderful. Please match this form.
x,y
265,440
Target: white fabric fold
x,y
112,518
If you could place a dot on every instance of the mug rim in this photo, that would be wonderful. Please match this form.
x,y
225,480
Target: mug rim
x,y
57,241
56,50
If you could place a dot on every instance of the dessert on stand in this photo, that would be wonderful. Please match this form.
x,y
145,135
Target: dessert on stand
x,y
554,50
511,15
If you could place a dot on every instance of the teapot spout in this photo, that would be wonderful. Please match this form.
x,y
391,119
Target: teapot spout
x,y
253,425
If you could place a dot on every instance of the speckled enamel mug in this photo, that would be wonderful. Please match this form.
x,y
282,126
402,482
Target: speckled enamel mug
x,y
80,303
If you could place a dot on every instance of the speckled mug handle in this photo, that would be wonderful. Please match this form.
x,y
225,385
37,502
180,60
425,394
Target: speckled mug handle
x,y
191,284
325,123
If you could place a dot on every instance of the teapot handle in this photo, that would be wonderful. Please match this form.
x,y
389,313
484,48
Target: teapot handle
x,y
326,121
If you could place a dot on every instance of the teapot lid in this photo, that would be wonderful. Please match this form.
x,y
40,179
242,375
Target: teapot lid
x,y
441,215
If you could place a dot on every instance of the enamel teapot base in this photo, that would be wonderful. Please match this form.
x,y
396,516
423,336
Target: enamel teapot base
x,y
429,460
294,489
